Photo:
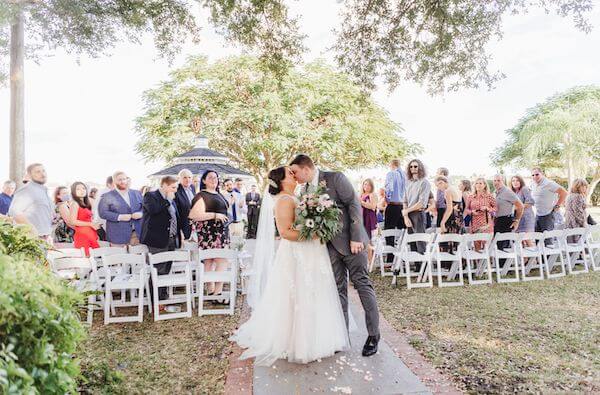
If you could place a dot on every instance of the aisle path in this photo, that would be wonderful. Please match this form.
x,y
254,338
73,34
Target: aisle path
x,y
343,373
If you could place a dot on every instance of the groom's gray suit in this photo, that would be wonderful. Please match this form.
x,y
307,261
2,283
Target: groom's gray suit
x,y
343,261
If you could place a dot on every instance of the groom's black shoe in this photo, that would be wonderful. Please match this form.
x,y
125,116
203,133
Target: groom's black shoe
x,y
370,347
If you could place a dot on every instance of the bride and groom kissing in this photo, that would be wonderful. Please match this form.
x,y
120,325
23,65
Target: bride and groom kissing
x,y
298,290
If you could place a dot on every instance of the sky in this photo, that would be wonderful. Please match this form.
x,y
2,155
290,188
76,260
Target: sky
x,y
79,116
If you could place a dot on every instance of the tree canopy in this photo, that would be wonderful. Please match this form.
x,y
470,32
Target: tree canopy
x,y
562,133
261,122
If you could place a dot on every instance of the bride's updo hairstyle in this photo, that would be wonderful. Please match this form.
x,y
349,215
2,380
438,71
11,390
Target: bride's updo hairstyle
x,y
274,179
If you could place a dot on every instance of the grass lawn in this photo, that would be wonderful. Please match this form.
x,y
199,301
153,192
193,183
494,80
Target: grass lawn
x,y
539,336
188,355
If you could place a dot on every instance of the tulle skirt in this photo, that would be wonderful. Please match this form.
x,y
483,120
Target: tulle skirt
x,y
299,316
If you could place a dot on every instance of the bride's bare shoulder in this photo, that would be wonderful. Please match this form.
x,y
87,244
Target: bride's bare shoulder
x,y
285,201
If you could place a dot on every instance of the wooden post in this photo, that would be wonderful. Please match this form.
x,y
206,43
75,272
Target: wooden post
x,y
17,99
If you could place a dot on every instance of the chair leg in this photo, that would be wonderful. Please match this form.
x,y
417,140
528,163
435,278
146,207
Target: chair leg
x,y
141,301
107,306
90,309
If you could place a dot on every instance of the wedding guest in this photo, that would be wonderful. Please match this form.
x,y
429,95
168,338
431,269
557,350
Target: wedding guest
x,y
548,197
440,200
451,219
31,204
235,207
109,187
466,190
63,231
160,226
80,210
416,199
395,189
368,201
381,206
239,188
575,206
509,210
253,201
8,189
183,199
480,206
92,194
122,210
523,192
145,189
209,215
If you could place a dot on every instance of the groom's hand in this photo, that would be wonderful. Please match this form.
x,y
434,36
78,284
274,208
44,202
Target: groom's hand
x,y
356,247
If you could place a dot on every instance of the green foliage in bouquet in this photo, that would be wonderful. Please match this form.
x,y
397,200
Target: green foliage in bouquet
x,y
16,240
317,216
39,325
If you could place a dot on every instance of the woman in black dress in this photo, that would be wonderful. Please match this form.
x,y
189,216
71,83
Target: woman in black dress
x,y
209,216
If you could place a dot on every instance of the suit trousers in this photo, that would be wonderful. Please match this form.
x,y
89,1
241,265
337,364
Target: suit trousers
x,y
162,268
355,267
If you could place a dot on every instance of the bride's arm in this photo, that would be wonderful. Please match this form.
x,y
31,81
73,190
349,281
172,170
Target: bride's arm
x,y
284,218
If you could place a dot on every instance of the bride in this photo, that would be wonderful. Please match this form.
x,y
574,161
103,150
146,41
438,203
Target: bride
x,y
297,313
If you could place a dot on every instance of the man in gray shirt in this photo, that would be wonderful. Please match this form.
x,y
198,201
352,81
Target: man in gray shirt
x,y
31,204
548,197
509,211
416,198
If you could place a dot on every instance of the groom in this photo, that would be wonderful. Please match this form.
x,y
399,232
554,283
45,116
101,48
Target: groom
x,y
347,249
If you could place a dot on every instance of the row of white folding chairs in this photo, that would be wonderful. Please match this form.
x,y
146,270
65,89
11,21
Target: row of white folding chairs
x,y
126,269
576,249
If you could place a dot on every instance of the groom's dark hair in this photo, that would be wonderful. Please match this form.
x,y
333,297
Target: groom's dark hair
x,y
303,161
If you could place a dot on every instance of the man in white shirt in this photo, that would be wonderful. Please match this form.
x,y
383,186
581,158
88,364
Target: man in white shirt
x,y
548,197
236,208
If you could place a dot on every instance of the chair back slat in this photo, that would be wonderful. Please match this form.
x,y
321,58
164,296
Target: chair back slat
x,y
449,238
60,253
138,249
414,237
123,259
106,251
169,256
218,253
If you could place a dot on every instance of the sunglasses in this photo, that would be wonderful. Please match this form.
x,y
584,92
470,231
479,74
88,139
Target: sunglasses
x,y
414,166
536,174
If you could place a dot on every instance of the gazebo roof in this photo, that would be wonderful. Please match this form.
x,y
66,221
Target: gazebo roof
x,y
201,152
200,167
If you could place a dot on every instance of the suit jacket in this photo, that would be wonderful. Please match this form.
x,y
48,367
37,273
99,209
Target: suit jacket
x,y
156,221
342,193
112,205
253,207
183,210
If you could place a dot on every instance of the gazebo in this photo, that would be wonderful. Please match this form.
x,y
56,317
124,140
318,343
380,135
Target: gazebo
x,y
200,159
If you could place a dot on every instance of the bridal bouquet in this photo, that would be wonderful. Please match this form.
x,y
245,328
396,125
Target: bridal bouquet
x,y
317,216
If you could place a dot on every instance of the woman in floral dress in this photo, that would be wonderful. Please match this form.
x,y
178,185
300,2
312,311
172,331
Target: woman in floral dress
x,y
481,206
209,216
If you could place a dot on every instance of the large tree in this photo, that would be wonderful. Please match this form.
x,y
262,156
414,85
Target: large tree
x,y
442,44
92,27
261,122
562,134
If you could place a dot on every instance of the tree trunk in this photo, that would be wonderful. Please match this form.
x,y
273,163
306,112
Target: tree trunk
x,y
17,99
593,184
570,165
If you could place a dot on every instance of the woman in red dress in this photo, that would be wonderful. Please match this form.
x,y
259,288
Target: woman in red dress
x,y
86,234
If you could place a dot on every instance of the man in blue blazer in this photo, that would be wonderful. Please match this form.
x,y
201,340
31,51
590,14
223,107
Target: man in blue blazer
x,y
122,210
183,198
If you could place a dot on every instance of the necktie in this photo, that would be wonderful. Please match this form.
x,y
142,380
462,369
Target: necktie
x,y
233,209
173,222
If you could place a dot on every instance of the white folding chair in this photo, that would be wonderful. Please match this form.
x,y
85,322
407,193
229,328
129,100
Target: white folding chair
x,y
140,249
592,243
553,253
455,259
406,258
181,279
57,255
531,257
507,254
228,276
476,252
382,250
117,279
98,275
575,250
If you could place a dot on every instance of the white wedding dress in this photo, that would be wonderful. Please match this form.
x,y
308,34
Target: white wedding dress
x,y
298,315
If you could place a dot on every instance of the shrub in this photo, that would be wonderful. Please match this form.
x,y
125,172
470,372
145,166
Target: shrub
x,y
39,324
16,240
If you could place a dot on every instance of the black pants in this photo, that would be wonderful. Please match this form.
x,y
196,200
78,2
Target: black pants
x,y
252,223
502,225
393,219
544,223
162,268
